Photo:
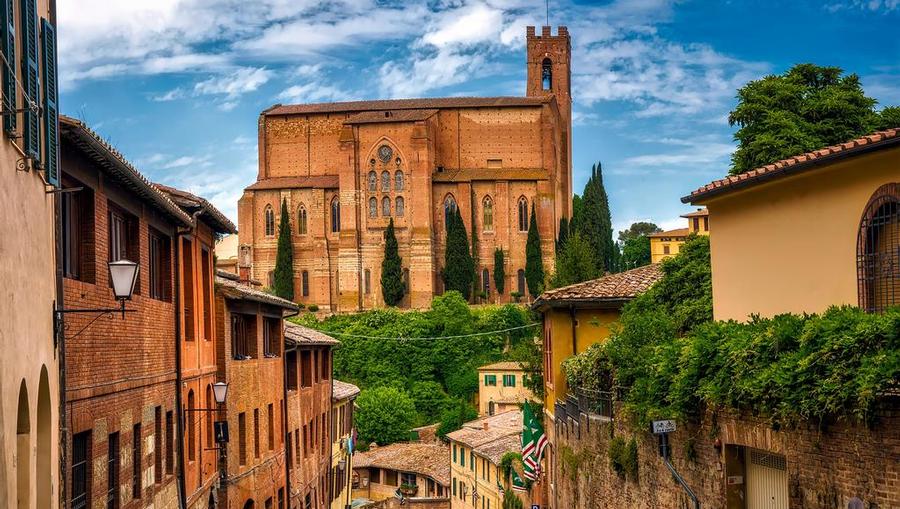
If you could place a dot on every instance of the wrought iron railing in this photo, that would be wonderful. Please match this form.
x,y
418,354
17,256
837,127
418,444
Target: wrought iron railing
x,y
590,402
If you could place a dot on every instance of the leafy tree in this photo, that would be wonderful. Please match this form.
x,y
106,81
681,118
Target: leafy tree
x,y
576,263
385,415
595,223
577,214
499,271
534,263
430,400
635,252
638,229
459,267
889,118
806,108
563,234
392,288
284,258
511,501
457,415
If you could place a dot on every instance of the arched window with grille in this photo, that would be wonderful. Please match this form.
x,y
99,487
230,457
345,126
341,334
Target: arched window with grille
x,y
398,181
335,215
878,254
523,214
373,207
270,221
449,208
386,207
547,74
385,181
399,206
301,220
520,281
373,181
487,214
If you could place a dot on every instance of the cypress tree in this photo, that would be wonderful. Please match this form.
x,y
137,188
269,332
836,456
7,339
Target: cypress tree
x,y
563,234
284,258
458,264
534,264
595,223
392,288
499,271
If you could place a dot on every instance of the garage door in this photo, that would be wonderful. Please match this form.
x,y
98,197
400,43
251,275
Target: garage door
x,y
767,483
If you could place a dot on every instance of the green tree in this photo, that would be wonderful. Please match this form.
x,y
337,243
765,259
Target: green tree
x,y
385,415
889,118
806,108
459,267
635,252
563,234
430,400
640,228
284,258
576,263
499,271
534,263
577,213
595,223
392,288
454,417
511,501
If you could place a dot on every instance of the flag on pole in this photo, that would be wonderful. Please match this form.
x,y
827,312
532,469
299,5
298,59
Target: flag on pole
x,y
517,483
534,441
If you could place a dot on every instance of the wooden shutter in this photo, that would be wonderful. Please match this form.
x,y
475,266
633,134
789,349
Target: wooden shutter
x,y
31,135
51,101
8,46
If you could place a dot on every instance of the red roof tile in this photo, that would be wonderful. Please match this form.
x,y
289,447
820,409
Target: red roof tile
x,y
432,460
610,288
406,104
314,181
678,232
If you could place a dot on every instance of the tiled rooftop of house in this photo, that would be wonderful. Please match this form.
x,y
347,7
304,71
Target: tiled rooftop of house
x,y
228,285
406,104
502,366
430,459
491,436
678,232
300,335
612,287
795,164
192,202
343,390
697,213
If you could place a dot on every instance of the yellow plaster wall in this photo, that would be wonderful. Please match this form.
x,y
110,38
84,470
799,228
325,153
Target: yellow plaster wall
x,y
498,393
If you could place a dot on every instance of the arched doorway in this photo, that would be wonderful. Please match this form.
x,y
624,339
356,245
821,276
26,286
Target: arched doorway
x,y
249,504
23,450
43,471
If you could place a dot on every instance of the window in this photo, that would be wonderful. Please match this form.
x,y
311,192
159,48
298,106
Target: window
x,y
487,214
485,281
462,456
490,380
523,214
696,222
291,361
520,281
256,433
301,220
187,268
367,281
272,336
305,440
390,477
157,443
385,182
509,380
78,233
210,403
666,249
280,498
408,478
706,224
297,444
123,238
81,470
269,215
242,438
546,74
386,207
454,486
112,471
373,182
472,461
271,412
206,271
269,503
288,450
170,443
305,368
399,206
160,264
191,426
304,283
243,336
137,461
449,208
373,207
878,255
398,180
335,215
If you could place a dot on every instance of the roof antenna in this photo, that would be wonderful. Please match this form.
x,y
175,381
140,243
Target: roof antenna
x,y
547,3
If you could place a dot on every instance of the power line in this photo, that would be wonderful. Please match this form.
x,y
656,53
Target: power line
x,y
459,336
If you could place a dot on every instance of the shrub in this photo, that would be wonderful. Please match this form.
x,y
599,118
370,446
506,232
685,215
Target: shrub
x,y
623,457
313,308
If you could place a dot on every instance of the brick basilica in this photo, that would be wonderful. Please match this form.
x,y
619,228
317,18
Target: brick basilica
x,y
345,169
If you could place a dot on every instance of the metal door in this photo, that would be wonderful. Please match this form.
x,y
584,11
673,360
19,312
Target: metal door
x,y
767,482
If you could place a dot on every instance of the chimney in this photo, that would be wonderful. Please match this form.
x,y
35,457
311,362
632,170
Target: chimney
x,y
485,425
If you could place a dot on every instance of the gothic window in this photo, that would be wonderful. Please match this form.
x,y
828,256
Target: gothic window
x,y
367,281
386,207
373,182
301,220
304,283
385,182
270,221
523,214
520,280
547,74
485,281
399,206
373,207
487,221
449,208
335,215
878,257
398,181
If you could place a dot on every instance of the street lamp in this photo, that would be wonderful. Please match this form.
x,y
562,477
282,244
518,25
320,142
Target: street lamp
x,y
220,390
123,275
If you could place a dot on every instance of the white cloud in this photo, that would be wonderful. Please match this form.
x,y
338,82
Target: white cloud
x,y
312,92
234,84
466,25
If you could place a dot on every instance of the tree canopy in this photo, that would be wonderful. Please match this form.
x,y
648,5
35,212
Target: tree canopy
x,y
385,415
499,271
594,222
284,258
459,267
392,287
640,228
575,263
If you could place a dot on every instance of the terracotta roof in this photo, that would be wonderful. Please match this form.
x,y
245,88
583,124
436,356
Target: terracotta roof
x,y
406,104
300,335
430,459
113,163
314,181
796,164
381,117
503,434
233,289
470,174
191,203
503,366
678,232
612,288
342,390
697,213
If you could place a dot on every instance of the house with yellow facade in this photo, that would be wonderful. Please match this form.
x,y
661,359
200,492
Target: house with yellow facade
x,y
343,395
501,388
476,450
418,471
668,243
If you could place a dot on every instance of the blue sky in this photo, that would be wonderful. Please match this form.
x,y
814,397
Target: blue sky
x,y
177,85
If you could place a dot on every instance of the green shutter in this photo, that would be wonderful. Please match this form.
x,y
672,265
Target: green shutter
x,y
51,101
31,134
9,71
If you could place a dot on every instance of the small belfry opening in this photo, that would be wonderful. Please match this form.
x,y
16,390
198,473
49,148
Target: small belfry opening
x,y
546,74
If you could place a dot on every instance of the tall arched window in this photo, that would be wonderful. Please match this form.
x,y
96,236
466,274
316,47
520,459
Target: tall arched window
x,y
335,215
210,403
547,74
270,221
367,281
398,180
192,426
386,206
304,283
485,281
373,207
399,206
449,208
385,181
878,254
520,281
487,214
301,220
373,181
523,214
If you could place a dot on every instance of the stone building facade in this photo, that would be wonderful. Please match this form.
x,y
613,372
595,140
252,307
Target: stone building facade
x,y
343,401
346,169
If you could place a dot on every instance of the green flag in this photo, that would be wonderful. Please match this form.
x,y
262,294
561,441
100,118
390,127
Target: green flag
x,y
534,441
